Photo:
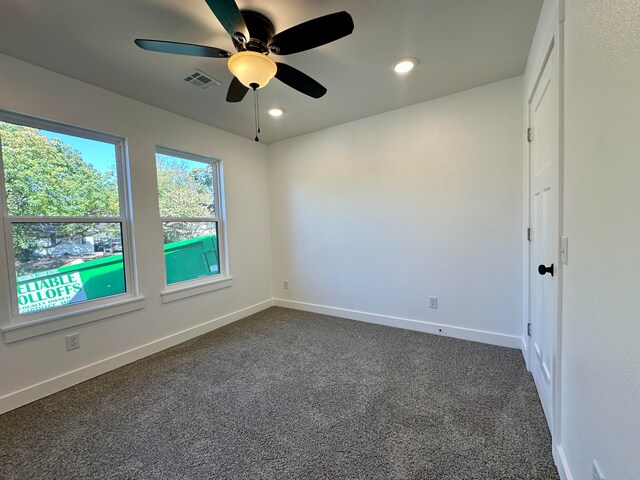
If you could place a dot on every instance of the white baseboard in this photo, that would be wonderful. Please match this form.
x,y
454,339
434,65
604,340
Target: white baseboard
x,y
39,390
561,463
492,338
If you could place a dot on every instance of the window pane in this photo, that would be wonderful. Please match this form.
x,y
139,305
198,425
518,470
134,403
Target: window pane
x,y
63,263
190,250
52,174
186,188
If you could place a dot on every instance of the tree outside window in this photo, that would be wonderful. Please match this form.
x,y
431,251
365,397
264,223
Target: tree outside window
x,y
188,196
62,207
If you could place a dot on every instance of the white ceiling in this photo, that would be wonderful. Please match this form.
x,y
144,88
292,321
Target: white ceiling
x,y
460,44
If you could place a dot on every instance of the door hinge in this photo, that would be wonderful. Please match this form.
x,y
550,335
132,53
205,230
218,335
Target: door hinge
x,y
529,135
528,329
529,234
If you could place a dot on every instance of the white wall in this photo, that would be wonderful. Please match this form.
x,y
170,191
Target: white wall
x,y
381,213
601,311
32,90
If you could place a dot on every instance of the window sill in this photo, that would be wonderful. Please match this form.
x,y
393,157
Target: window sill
x,y
42,326
180,291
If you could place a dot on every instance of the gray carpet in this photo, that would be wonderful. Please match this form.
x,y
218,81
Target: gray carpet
x,y
287,394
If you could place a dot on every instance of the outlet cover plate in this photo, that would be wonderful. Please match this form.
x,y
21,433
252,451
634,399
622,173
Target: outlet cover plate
x,y
72,341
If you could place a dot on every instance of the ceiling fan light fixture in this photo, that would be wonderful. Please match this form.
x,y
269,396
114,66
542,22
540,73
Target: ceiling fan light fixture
x,y
252,68
405,65
276,112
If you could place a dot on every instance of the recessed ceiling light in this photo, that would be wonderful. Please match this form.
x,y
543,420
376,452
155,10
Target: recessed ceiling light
x,y
405,65
276,112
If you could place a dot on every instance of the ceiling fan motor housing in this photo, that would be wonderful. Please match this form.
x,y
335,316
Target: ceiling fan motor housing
x,y
261,31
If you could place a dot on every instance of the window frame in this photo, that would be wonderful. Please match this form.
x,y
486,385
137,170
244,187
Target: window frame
x,y
125,219
196,286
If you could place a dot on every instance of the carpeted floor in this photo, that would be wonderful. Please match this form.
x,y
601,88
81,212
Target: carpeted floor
x,y
292,395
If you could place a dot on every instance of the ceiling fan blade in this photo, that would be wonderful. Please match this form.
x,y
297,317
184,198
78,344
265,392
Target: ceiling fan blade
x,y
236,91
228,14
181,48
299,81
312,34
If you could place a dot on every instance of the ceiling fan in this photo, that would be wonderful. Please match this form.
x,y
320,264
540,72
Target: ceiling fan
x,y
254,38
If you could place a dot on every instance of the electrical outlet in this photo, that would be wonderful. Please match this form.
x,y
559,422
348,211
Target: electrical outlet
x,y
285,285
597,473
433,302
72,341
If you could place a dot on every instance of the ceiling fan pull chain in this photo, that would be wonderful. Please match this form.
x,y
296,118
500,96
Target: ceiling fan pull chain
x,y
254,86
258,109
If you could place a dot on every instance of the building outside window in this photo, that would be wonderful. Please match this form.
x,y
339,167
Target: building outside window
x,y
189,189
65,215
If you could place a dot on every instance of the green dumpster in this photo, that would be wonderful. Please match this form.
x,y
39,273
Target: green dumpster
x,y
105,277
191,259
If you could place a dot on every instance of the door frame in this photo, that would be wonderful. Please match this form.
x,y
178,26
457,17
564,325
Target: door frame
x,y
553,38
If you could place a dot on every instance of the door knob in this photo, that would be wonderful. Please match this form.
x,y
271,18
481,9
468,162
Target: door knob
x,y
542,270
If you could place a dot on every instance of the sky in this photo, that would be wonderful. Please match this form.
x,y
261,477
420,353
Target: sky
x,y
99,154
103,155
184,163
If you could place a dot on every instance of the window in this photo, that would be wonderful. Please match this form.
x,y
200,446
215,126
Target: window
x,y
64,215
189,192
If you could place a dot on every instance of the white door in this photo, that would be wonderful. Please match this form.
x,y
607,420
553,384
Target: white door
x,y
544,204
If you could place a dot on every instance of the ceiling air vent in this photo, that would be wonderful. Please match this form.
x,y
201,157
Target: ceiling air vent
x,y
201,80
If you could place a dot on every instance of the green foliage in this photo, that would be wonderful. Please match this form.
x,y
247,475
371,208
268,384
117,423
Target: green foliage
x,y
45,177
185,190
48,178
